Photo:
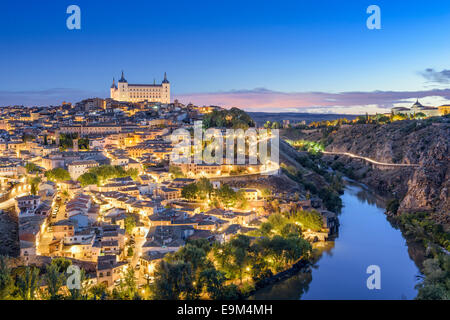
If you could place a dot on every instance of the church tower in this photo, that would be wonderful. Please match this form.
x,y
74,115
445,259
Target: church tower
x,y
165,94
123,89
113,90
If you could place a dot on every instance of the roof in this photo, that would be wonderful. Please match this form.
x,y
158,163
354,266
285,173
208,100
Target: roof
x,y
122,79
25,198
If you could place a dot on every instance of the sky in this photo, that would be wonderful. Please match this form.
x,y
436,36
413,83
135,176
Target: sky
x,y
296,56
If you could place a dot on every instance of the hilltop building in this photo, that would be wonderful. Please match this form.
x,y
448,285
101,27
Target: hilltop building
x,y
128,92
416,108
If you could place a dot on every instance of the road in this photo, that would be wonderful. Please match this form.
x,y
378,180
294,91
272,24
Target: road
x,y
355,156
351,155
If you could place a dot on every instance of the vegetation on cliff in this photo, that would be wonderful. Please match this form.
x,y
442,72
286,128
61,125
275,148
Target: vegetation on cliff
x,y
234,118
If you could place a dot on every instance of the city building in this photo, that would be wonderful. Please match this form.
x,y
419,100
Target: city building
x,y
126,92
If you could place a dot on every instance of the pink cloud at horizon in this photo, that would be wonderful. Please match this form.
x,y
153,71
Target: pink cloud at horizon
x,y
346,102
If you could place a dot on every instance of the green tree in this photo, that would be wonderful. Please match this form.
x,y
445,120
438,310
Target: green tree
x,y
83,143
130,251
213,281
128,286
32,168
83,292
133,173
172,281
28,283
240,246
205,188
34,183
190,191
87,179
176,171
6,279
276,125
227,196
54,279
311,220
98,291
57,175
61,263
130,223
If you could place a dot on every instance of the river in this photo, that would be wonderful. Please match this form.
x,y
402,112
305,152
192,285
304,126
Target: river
x,y
365,238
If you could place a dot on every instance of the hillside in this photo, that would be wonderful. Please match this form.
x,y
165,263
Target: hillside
x,y
425,143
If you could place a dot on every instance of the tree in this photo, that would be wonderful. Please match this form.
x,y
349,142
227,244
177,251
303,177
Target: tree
x,y
28,283
435,285
233,118
129,285
100,174
205,188
54,280
392,206
213,281
240,253
227,196
87,179
57,175
130,251
83,291
130,223
34,182
192,255
230,292
190,191
32,168
66,141
173,281
133,173
6,279
61,263
266,193
176,171
99,290
83,143
276,125
311,220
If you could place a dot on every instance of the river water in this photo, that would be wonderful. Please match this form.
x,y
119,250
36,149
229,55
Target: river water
x,y
365,238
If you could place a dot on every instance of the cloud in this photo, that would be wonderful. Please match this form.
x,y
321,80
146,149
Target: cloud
x,y
258,99
442,77
53,96
261,99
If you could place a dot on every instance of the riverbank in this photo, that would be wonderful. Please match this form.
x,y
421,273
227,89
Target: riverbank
x,y
432,256
365,238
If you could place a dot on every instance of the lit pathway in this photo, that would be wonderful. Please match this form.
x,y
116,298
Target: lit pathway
x,y
351,155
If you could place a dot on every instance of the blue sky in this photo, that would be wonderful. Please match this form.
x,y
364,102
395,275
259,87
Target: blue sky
x,y
258,55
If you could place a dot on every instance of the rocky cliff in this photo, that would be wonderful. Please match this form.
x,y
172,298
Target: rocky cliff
x,y
426,143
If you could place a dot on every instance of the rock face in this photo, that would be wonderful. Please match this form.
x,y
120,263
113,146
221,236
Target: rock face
x,y
408,142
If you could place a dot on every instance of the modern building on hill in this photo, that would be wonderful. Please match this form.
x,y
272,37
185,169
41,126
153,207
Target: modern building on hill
x,y
128,92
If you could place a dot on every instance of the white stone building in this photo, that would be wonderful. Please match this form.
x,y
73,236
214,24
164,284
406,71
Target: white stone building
x,y
126,92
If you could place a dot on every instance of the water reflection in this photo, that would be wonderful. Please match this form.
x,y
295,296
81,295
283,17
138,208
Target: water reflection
x,y
364,194
339,271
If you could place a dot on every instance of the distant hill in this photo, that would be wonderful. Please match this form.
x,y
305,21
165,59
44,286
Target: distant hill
x,y
262,117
